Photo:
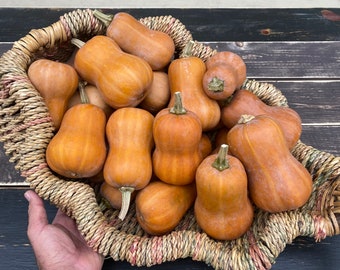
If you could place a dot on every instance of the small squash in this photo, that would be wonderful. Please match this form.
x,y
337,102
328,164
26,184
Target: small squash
x,y
55,90
158,94
122,78
96,179
205,145
161,206
95,97
128,165
246,102
277,180
155,47
220,81
222,207
221,137
186,75
72,151
177,133
233,60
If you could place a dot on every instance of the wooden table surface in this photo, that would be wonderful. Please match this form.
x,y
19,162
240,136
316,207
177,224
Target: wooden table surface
x,y
295,49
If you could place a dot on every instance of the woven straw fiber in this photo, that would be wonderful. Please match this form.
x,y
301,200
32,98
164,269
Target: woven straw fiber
x,y
26,129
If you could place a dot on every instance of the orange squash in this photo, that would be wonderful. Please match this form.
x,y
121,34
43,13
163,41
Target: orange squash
x,y
233,60
246,102
221,137
161,206
155,47
277,181
177,133
122,78
158,94
205,145
220,81
186,75
96,179
222,207
55,90
94,96
72,151
128,165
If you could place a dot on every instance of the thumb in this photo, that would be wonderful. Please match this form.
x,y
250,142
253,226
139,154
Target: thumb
x,y
37,217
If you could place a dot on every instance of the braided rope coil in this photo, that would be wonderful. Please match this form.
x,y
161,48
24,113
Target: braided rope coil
x,y
26,129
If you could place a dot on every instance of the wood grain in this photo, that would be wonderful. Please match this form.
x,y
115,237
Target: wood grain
x,y
287,60
208,24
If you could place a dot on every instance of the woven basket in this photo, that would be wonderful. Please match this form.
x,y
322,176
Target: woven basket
x,y
26,129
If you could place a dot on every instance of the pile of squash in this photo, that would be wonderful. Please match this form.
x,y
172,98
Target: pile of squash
x,y
169,132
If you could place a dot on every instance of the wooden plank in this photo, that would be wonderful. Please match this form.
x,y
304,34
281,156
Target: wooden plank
x,y
218,24
317,101
16,23
287,60
324,138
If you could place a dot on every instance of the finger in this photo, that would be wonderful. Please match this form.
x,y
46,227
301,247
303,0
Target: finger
x,y
37,217
68,223
64,220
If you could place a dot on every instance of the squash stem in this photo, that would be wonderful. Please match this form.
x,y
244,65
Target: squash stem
x,y
188,49
226,101
216,85
178,105
229,99
221,162
83,96
126,198
106,19
77,42
245,118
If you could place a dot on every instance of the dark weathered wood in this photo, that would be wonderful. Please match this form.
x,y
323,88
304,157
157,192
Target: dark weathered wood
x,y
289,60
324,138
205,24
317,101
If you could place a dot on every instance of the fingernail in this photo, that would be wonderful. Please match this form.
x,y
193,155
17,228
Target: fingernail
x,y
27,195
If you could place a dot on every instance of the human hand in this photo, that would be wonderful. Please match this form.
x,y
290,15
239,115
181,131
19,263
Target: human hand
x,y
58,245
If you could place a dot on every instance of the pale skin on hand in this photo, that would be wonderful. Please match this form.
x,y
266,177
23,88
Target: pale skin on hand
x,y
58,245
